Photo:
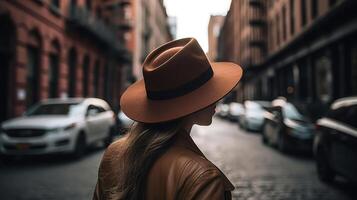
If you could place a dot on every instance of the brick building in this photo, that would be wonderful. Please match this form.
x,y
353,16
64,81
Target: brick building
x,y
214,27
242,38
54,48
122,14
151,30
310,55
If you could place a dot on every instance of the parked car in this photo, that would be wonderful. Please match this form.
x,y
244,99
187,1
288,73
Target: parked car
x,y
124,122
58,126
253,117
287,127
222,110
235,111
335,144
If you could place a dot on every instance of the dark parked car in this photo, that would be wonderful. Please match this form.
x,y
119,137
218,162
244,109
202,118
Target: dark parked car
x,y
287,128
335,144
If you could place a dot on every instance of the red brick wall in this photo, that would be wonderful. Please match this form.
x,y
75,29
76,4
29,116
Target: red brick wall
x,y
30,15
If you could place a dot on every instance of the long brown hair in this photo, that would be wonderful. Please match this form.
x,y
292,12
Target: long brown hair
x,y
144,144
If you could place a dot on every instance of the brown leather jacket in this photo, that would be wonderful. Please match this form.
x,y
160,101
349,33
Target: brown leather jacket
x,y
182,172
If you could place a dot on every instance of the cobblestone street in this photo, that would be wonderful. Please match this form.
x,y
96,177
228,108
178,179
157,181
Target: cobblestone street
x,y
257,171
261,172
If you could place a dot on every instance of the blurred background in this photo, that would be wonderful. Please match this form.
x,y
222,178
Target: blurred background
x,y
287,131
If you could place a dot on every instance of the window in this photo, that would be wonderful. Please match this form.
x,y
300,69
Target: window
x,y
313,8
53,76
292,19
92,110
32,75
216,30
96,79
269,34
107,80
72,65
284,23
332,2
303,12
323,82
127,12
55,3
89,4
73,3
127,36
85,76
303,80
53,69
100,109
277,30
33,67
54,109
98,12
55,7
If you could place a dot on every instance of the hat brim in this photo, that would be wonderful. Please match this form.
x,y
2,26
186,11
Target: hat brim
x,y
135,104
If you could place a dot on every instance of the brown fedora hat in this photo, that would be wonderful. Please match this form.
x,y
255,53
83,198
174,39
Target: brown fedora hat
x,y
178,80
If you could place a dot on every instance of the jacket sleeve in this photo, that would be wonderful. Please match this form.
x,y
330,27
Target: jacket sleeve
x,y
207,185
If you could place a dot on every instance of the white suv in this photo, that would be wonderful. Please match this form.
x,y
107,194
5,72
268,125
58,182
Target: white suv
x,y
58,126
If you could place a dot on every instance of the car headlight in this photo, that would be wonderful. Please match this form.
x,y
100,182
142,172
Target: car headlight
x,y
73,125
54,130
59,129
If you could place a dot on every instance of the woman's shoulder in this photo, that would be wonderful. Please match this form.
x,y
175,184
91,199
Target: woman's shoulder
x,y
117,145
188,163
190,169
113,154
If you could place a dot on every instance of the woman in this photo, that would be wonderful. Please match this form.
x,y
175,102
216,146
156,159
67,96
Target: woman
x,y
157,159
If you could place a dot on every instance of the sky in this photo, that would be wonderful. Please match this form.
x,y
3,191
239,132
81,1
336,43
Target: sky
x,y
193,16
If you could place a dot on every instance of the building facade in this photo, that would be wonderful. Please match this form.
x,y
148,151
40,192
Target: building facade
x,y
53,48
243,37
310,55
151,30
121,15
214,27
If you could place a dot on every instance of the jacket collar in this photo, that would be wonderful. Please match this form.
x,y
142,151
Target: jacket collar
x,y
184,139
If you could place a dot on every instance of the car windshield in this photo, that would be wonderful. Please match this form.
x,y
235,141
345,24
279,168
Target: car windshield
x,y
56,109
291,112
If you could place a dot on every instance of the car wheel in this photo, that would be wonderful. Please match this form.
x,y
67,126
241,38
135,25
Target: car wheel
x,y
282,144
324,170
110,137
80,146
